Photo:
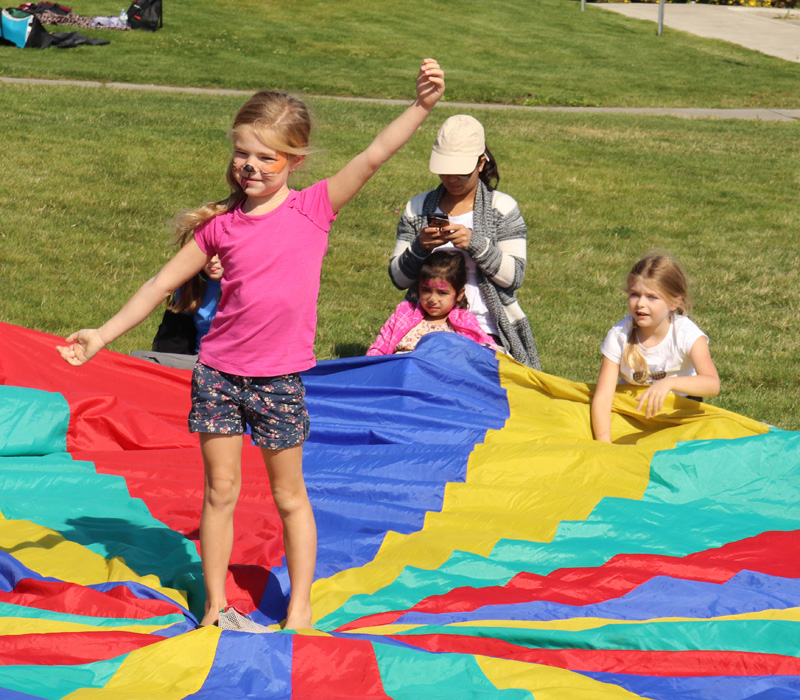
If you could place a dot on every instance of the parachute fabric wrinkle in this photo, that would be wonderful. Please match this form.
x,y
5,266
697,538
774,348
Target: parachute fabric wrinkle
x,y
474,540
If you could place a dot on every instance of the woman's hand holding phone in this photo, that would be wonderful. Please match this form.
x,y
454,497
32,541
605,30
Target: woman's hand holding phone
x,y
441,230
459,235
433,235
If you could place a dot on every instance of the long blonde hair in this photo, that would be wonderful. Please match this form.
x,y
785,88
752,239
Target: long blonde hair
x,y
661,272
189,296
281,122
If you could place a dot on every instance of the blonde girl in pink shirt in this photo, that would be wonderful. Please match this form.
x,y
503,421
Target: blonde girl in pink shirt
x,y
263,333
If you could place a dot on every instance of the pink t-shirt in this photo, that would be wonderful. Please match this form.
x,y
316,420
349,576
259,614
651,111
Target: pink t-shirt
x,y
267,316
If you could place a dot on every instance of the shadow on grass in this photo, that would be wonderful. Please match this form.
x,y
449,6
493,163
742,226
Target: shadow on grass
x,y
350,349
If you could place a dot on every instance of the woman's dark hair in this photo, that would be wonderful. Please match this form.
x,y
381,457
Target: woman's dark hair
x,y
447,265
489,175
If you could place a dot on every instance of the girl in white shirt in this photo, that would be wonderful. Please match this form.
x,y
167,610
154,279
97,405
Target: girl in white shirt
x,y
656,345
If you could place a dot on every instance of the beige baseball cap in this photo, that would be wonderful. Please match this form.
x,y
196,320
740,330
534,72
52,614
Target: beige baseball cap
x,y
458,145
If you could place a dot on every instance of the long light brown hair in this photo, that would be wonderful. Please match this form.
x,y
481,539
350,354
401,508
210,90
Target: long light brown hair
x,y
189,295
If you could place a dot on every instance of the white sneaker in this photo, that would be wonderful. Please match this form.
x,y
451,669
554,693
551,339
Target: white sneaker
x,y
230,619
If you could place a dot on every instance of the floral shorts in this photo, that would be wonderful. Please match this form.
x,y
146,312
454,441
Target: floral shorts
x,y
273,407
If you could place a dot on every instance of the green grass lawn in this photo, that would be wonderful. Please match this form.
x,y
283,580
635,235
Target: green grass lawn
x,y
535,52
91,178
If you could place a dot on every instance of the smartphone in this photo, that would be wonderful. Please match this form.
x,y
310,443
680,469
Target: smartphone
x,y
438,220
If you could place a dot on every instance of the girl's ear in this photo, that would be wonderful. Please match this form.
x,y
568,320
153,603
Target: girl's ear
x,y
461,296
677,302
294,162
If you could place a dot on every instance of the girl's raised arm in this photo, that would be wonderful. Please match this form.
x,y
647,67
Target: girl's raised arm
x,y
343,186
83,345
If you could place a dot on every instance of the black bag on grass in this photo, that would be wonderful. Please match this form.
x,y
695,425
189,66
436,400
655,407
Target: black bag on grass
x,y
146,14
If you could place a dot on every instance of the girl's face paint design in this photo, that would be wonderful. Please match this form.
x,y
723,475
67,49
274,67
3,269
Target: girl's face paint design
x,y
437,298
437,284
277,164
259,169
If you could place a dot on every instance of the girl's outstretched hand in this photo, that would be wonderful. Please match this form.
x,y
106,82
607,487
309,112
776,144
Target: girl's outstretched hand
x,y
83,346
430,83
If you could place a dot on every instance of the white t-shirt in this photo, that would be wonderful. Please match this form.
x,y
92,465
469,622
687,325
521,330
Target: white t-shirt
x,y
476,303
670,356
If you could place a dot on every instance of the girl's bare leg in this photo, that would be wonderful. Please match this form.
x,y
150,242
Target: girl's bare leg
x,y
222,457
285,469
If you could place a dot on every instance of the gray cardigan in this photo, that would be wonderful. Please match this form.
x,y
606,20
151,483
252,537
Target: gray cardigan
x,y
498,247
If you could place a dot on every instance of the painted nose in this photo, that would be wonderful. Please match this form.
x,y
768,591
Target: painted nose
x,y
249,168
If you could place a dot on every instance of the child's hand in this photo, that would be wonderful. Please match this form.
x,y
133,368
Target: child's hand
x,y
83,346
654,397
430,83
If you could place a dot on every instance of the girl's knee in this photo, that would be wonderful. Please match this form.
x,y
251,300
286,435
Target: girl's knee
x,y
221,493
291,500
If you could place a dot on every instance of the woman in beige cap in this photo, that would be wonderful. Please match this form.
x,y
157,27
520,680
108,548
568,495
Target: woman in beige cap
x,y
486,225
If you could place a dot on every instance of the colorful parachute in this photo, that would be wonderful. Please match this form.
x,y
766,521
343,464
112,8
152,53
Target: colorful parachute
x,y
474,541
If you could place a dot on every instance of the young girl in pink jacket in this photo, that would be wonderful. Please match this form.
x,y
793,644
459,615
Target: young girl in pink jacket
x,y
441,307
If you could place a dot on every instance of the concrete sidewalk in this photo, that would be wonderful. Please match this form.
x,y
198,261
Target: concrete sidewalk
x,y
763,114
773,31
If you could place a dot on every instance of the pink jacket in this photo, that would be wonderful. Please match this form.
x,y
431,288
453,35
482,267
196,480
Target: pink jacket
x,y
408,315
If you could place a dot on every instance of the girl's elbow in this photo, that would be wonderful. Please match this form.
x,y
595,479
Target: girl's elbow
x,y
710,387
372,159
601,401
159,286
